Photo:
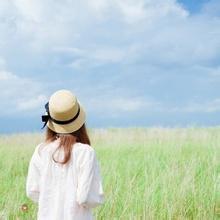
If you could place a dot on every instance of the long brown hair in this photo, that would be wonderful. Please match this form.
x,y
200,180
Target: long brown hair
x,y
67,141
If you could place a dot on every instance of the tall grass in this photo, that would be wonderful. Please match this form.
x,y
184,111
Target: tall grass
x,y
148,173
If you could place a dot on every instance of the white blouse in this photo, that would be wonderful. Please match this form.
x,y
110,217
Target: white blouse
x,y
65,192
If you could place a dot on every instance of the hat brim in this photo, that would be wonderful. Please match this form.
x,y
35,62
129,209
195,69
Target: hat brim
x,y
71,127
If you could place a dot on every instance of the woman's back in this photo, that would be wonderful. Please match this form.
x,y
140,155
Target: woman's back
x,y
64,191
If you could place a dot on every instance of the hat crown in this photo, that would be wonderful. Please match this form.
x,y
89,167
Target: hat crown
x,y
63,105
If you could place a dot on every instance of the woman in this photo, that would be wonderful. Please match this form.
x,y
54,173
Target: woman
x,y
64,174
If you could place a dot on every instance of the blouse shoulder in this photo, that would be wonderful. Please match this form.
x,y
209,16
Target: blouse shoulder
x,y
84,152
84,148
37,155
39,148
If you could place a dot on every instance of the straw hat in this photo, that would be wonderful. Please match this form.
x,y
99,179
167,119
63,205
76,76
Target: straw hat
x,y
64,114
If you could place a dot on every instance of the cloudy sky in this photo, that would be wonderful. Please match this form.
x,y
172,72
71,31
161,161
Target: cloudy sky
x,y
130,62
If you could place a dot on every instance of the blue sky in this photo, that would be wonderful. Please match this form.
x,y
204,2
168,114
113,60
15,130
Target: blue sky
x,y
130,62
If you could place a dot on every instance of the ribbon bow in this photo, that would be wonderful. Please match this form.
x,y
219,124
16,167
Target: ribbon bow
x,y
45,118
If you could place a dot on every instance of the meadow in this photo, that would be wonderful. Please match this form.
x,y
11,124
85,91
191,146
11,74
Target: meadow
x,y
148,173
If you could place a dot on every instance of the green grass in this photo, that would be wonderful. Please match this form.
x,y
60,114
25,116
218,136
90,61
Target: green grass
x,y
150,173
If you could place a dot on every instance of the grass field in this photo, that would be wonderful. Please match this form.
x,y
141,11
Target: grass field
x,y
149,173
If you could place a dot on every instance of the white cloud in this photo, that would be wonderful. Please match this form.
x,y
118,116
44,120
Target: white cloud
x,y
132,104
158,32
19,94
2,63
134,11
150,11
33,103
162,30
99,56
115,106
123,105
205,107
109,54
50,23
5,76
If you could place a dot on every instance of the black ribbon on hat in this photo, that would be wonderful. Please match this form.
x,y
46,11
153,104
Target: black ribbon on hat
x,y
47,117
